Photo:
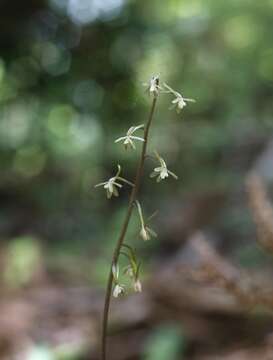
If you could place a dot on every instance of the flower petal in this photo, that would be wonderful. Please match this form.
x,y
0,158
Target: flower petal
x,y
151,231
101,184
173,175
138,127
117,184
120,139
137,286
115,191
176,100
131,143
137,138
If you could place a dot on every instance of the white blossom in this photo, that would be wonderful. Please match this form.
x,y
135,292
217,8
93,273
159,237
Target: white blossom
x,y
132,270
153,86
128,139
179,101
162,171
146,233
111,186
118,290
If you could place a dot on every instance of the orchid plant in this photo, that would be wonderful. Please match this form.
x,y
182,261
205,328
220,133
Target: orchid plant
x,y
115,184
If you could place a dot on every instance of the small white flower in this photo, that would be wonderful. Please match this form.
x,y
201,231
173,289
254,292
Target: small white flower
x,y
179,101
162,171
137,286
115,272
153,86
118,290
128,138
132,270
146,233
111,186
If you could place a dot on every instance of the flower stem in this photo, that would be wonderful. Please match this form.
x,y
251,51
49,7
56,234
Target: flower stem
x,y
120,241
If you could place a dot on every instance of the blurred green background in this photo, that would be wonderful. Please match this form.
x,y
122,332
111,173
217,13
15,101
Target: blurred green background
x,y
71,75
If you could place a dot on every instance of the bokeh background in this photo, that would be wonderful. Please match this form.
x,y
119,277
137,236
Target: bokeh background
x,y
71,82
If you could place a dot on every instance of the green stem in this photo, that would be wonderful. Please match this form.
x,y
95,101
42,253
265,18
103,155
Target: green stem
x,y
120,241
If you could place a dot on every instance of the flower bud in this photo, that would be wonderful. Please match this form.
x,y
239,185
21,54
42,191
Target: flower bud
x,y
137,286
144,234
118,290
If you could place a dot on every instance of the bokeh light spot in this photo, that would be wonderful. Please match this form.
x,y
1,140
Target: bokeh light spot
x,y
88,94
29,161
59,120
55,60
241,31
86,11
14,124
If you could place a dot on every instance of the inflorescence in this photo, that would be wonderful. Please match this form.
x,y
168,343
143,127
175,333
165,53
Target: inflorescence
x,y
115,183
